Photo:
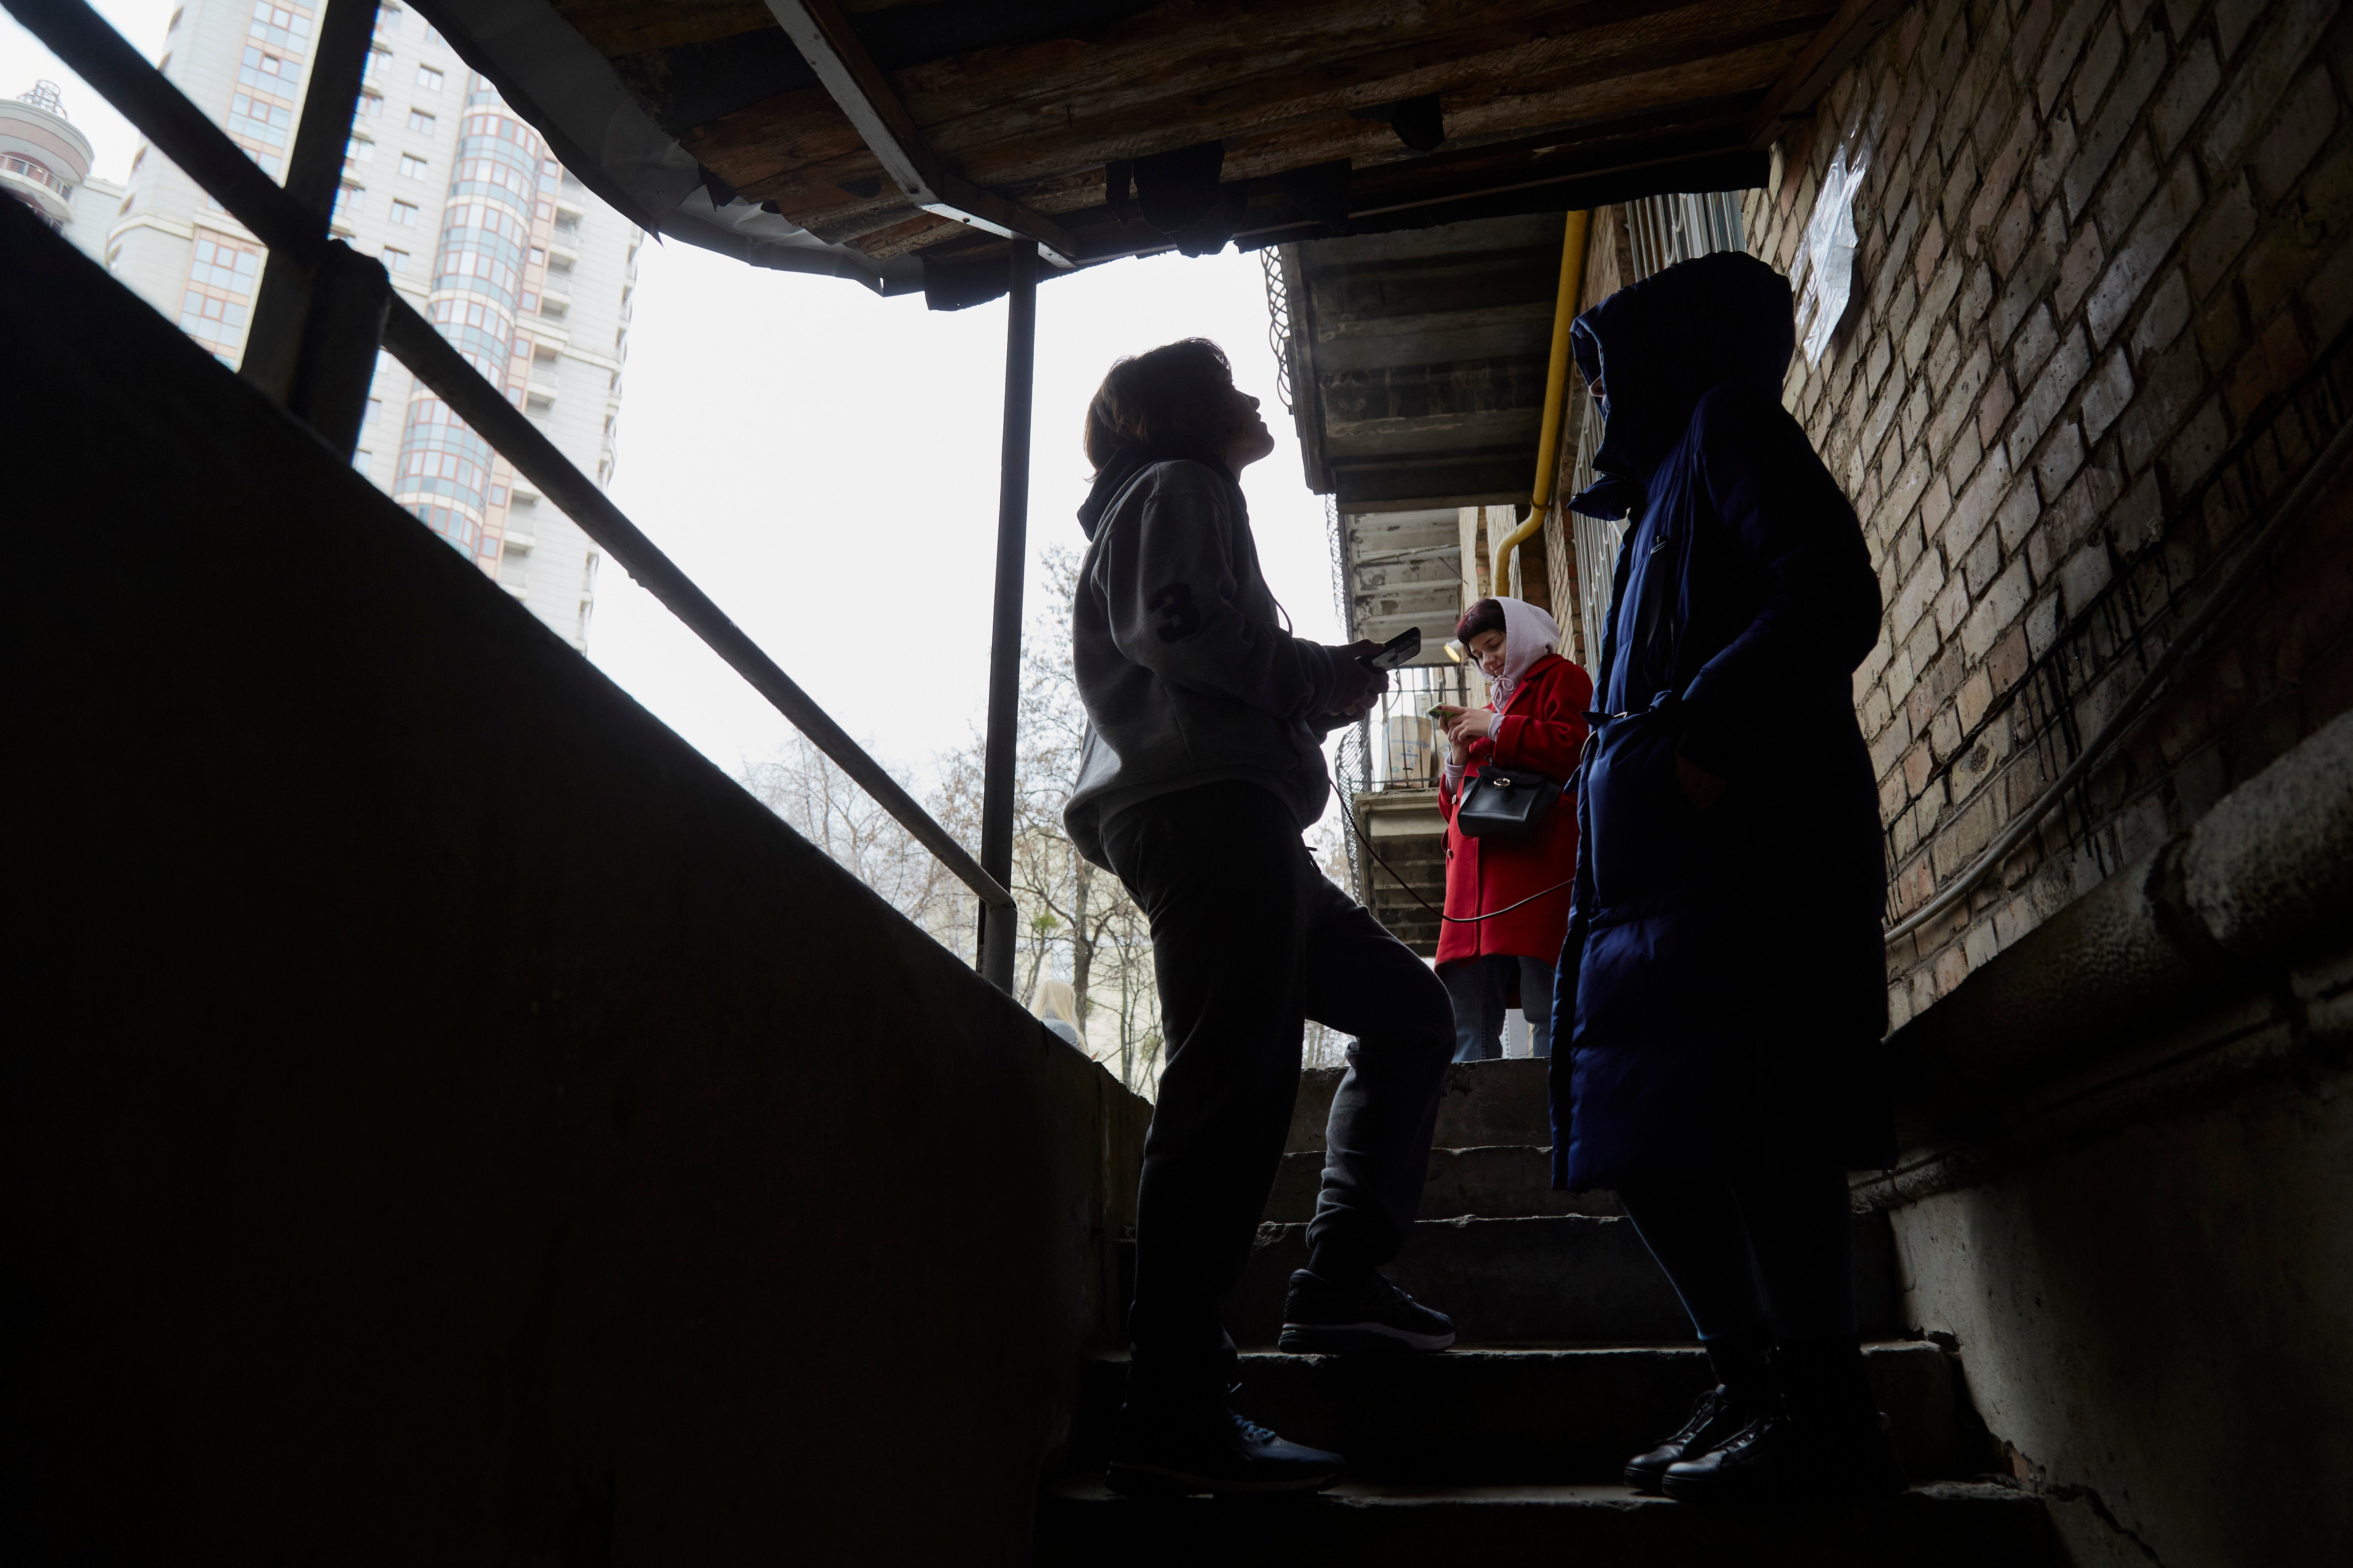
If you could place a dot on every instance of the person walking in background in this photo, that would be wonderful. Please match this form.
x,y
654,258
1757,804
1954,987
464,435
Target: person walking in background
x,y
1721,995
1507,895
1056,1006
1202,765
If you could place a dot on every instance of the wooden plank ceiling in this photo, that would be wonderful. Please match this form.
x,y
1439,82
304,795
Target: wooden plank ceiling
x,y
1517,106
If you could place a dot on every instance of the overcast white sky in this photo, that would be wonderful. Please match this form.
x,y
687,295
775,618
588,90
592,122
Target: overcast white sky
x,y
825,464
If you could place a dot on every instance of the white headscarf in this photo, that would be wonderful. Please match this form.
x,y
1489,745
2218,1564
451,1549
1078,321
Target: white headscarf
x,y
1529,633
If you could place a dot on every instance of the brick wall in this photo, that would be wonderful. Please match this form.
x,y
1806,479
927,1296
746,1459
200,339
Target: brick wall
x,y
2101,300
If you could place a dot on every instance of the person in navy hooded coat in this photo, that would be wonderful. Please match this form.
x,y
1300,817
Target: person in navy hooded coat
x,y
1721,995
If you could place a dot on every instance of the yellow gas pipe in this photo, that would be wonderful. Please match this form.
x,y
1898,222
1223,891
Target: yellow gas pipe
x,y
1563,315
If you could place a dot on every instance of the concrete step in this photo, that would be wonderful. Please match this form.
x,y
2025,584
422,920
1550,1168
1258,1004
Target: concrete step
x,y
1486,1105
1510,1183
1945,1525
1532,1415
1558,1280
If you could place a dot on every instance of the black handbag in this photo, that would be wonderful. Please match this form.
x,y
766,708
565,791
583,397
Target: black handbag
x,y
1504,803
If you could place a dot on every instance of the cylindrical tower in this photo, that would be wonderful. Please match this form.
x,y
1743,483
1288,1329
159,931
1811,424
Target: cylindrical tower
x,y
43,158
445,470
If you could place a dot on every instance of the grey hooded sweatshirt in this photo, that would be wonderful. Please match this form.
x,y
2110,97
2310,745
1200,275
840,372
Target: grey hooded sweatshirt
x,y
1187,676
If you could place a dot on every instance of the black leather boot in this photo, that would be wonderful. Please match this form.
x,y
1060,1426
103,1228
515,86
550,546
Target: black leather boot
x,y
1822,1436
1742,1389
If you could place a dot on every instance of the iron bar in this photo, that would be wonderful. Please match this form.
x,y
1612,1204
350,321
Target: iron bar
x,y
186,135
312,346
997,933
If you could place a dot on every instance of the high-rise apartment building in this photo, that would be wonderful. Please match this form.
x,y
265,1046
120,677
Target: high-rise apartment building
x,y
45,163
482,230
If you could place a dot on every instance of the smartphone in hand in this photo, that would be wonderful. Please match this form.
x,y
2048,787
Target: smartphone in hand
x,y
1395,653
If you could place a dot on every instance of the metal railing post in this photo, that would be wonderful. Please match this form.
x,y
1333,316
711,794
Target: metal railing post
x,y
181,131
317,321
998,930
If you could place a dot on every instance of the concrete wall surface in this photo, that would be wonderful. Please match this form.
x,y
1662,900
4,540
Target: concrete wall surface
x,y
2127,1198
444,1120
2159,1328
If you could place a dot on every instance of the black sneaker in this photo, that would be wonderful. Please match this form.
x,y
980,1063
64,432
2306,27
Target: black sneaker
x,y
1320,1319
1786,1457
1718,1415
1214,1453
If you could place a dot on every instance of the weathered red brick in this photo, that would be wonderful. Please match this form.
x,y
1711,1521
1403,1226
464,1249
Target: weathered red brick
x,y
1994,408
2035,341
1975,506
2077,268
2186,94
2009,235
2105,395
2127,190
2191,454
2101,57
2261,81
2136,260
2228,224
2058,62
2006,664
2062,455
1936,504
2051,156
2104,136
2167,312
2014,519
1984,561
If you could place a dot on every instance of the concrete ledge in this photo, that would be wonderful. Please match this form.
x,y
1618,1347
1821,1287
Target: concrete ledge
x,y
2228,938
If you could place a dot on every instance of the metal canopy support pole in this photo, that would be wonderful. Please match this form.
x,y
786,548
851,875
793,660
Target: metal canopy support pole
x,y
317,321
998,928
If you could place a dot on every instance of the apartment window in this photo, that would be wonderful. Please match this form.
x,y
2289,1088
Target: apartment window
x,y
429,79
388,18
420,120
273,74
433,35
379,61
360,150
411,166
217,321
223,264
277,24
267,123
375,410
361,457
405,214
347,201
567,223
371,105
538,257
394,260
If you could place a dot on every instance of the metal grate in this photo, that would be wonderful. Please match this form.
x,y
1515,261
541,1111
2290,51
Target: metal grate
x,y
1278,320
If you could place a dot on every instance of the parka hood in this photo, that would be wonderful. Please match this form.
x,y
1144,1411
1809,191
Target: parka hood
x,y
1660,346
1130,458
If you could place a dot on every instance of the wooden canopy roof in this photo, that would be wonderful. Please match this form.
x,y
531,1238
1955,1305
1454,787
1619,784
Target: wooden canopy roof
x,y
783,130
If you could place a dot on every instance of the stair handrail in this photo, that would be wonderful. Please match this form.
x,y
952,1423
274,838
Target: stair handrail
x,y
183,132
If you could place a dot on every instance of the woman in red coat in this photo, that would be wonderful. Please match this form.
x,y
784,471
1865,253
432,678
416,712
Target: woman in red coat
x,y
1521,885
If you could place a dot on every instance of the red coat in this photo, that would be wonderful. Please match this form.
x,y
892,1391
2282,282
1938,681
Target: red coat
x,y
1543,727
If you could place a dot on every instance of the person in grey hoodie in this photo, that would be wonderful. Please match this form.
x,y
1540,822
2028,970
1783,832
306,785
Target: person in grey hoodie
x,y
1203,763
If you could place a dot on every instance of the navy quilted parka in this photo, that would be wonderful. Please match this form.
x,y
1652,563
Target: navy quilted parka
x,y
1722,994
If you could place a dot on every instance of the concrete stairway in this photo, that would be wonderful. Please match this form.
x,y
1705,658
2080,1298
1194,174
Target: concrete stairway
x,y
1575,1355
